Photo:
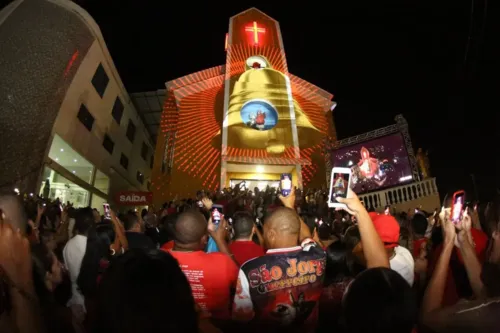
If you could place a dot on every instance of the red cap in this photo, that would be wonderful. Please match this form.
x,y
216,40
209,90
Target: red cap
x,y
388,229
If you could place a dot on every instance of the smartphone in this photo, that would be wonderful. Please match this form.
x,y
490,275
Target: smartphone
x,y
457,206
339,184
286,184
217,213
107,211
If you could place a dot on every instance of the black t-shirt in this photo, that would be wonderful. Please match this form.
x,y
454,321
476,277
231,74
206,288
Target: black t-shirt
x,y
137,240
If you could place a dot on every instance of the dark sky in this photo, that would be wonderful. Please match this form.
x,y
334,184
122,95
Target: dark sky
x,y
378,58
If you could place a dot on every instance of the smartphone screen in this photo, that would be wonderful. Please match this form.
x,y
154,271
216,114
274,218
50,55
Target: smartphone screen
x,y
387,210
339,184
217,214
107,211
286,184
458,206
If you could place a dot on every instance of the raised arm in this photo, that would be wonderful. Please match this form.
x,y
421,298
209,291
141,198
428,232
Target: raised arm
x,y
471,262
289,202
433,297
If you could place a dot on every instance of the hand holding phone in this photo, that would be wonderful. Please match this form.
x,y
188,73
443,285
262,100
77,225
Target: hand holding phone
x,y
217,214
286,184
340,183
457,206
352,204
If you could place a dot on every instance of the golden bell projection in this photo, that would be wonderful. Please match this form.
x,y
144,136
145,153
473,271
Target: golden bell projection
x,y
259,114
248,120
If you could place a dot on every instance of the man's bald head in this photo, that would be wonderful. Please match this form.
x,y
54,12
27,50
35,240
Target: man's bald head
x,y
284,221
190,228
13,209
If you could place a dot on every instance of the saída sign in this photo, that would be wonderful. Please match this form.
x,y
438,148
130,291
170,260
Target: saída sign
x,y
134,198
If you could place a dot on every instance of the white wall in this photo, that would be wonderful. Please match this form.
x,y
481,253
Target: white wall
x,y
89,144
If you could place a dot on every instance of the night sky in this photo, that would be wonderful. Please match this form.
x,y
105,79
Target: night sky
x,y
378,58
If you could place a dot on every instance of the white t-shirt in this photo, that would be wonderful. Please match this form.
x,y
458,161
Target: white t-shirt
x,y
73,254
402,262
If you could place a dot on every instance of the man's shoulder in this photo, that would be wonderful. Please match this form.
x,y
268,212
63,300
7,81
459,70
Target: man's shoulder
x,y
75,242
217,256
403,255
402,250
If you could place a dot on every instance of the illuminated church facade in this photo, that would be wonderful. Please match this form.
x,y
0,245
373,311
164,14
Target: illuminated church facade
x,y
249,119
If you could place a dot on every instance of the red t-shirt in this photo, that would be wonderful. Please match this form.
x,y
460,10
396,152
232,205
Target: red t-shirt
x,y
416,246
211,276
245,250
168,245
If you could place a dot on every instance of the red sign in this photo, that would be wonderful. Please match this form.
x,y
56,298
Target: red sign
x,y
134,198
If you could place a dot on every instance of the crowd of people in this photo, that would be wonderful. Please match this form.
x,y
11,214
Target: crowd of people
x,y
280,264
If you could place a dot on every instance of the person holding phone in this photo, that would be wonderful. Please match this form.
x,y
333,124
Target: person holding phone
x,y
242,247
261,307
212,276
456,286
366,303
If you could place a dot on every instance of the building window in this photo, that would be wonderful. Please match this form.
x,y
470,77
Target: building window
x,y
151,161
124,161
100,80
117,110
85,117
108,144
144,151
131,131
140,177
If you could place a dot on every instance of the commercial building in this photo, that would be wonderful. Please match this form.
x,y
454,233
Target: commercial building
x,y
69,128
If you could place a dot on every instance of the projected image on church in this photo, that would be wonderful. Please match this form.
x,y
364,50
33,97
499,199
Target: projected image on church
x,y
259,115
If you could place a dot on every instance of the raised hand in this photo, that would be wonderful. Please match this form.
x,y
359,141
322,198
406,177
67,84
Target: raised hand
x,y
288,201
449,229
352,202
207,203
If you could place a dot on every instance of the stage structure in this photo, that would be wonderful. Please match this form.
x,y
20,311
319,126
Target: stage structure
x,y
384,168
249,119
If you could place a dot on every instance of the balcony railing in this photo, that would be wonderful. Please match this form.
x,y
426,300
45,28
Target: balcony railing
x,y
405,194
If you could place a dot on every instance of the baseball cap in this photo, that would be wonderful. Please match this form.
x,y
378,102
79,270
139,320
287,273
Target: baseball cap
x,y
387,228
